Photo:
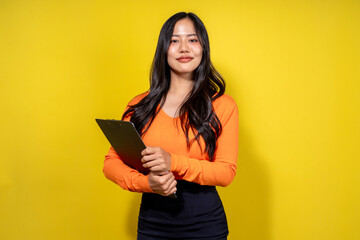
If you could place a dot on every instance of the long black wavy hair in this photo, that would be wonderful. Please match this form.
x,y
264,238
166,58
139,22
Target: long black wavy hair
x,y
196,113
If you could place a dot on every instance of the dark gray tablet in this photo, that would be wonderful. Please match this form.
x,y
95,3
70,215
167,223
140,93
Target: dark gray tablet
x,y
125,140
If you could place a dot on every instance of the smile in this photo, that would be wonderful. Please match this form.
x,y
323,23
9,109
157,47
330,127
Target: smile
x,y
184,59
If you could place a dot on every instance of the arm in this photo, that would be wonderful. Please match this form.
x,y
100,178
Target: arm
x,y
127,178
221,171
115,170
130,179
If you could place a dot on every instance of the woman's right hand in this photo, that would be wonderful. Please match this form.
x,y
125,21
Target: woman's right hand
x,y
164,184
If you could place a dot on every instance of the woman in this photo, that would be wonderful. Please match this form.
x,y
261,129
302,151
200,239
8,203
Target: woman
x,y
191,129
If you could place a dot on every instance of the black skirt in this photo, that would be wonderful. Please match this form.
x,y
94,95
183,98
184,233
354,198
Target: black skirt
x,y
196,213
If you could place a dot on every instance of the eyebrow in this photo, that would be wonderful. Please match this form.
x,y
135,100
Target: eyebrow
x,y
188,35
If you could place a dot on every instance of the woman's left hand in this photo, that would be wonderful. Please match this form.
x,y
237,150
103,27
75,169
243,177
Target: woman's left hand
x,y
156,159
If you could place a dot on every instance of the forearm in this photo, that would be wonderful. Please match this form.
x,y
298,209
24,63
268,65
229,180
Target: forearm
x,y
203,172
124,176
221,171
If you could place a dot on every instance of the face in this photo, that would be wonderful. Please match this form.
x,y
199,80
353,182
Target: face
x,y
185,51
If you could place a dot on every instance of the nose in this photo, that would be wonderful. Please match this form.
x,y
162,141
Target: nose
x,y
183,48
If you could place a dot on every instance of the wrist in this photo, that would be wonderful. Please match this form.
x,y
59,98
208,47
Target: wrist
x,y
148,188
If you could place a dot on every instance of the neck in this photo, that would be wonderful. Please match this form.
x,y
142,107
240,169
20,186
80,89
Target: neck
x,y
181,85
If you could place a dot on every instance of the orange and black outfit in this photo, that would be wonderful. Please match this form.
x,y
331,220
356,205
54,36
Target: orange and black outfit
x,y
197,212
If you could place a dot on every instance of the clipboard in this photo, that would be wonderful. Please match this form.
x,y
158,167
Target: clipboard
x,y
125,140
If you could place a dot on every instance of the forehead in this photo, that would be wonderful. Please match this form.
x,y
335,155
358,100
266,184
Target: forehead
x,y
184,27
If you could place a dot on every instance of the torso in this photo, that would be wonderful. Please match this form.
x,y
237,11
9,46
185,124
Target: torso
x,y
167,218
172,104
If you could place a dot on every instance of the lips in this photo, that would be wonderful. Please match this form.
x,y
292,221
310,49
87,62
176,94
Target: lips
x,y
184,59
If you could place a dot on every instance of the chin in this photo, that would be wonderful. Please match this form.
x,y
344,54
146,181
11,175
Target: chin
x,y
185,70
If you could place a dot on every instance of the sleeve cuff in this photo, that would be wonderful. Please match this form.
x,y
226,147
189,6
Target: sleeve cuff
x,y
173,162
176,163
144,184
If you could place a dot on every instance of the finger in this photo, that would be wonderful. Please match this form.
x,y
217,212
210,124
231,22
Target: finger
x,y
172,185
146,151
160,173
171,189
154,176
151,157
165,181
157,167
148,158
154,165
169,178
150,150
168,185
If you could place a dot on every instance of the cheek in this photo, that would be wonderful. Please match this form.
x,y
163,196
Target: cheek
x,y
169,54
197,50
171,50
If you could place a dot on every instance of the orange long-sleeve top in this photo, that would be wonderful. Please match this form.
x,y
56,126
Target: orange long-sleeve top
x,y
190,164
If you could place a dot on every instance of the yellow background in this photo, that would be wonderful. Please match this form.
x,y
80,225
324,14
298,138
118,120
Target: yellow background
x,y
292,66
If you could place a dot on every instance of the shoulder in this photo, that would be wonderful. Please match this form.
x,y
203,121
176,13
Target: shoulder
x,y
224,102
138,98
225,108
133,101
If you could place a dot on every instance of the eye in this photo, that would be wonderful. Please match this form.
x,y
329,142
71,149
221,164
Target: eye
x,y
174,41
193,40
